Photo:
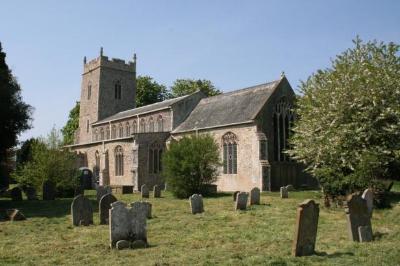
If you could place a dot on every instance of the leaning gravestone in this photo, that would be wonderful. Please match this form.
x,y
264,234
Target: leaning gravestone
x,y
128,224
49,190
81,211
368,195
105,206
16,194
255,196
235,195
157,191
145,191
306,229
284,193
357,215
30,193
196,203
101,191
241,201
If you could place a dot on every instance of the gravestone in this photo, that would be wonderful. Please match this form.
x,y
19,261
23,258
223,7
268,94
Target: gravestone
x,y
16,194
49,190
365,233
196,203
306,229
101,191
15,215
357,215
127,223
30,193
284,193
148,207
105,206
144,191
368,195
241,201
255,196
235,195
157,191
81,211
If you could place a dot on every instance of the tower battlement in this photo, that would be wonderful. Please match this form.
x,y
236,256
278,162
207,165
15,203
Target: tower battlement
x,y
104,61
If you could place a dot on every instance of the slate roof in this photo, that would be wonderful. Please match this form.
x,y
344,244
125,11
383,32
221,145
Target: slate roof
x,y
236,107
141,110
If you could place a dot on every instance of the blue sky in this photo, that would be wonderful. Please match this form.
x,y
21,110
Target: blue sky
x,y
235,44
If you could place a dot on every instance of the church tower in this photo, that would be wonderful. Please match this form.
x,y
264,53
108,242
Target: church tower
x,y
108,87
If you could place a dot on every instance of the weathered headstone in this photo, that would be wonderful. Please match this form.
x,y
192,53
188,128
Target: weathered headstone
x,y
157,191
81,211
49,190
30,193
15,215
105,206
196,203
148,207
368,195
284,193
306,229
289,187
16,194
255,196
235,195
127,223
241,201
145,191
357,215
101,191
365,233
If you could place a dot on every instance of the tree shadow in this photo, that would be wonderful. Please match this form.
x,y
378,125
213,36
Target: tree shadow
x,y
378,235
333,255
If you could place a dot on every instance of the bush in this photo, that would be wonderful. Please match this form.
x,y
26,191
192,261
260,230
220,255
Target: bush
x,y
191,164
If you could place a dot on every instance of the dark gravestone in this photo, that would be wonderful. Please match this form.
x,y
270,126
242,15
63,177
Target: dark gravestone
x,y
368,195
241,201
357,215
255,196
235,194
30,193
157,191
101,191
16,194
365,233
306,229
144,191
86,179
105,206
196,203
81,211
49,190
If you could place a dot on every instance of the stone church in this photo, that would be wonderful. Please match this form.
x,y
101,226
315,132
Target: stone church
x,y
123,145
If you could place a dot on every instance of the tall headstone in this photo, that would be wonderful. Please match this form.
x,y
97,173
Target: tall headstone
x,y
235,195
16,194
105,206
101,191
241,201
306,229
357,215
128,224
196,203
81,211
284,193
157,191
368,195
145,191
255,196
49,190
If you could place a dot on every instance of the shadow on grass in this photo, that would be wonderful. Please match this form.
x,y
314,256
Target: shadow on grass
x,y
42,208
334,255
218,195
378,235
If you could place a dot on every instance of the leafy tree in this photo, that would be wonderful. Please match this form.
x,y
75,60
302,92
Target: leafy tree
x,y
24,154
187,86
149,91
15,115
190,164
348,131
72,125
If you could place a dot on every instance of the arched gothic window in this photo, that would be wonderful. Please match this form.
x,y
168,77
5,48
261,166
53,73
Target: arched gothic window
x,y
119,161
89,91
229,141
113,132
121,131
155,156
101,134
151,124
134,126
127,129
160,124
142,126
283,118
117,90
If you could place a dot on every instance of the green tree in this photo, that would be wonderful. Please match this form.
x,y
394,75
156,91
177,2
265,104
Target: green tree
x,y
71,126
187,86
24,154
190,164
348,131
148,91
15,115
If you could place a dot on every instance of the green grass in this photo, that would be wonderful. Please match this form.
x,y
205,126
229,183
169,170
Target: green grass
x,y
262,235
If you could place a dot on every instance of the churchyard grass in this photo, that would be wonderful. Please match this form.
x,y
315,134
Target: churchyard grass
x,y
261,235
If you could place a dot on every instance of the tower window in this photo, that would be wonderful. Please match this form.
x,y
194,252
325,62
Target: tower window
x,y
89,91
117,90
87,126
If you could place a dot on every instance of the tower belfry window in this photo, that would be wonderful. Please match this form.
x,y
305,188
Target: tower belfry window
x,y
117,90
